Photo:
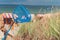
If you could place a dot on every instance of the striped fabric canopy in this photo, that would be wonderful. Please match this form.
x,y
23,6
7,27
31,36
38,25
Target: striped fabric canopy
x,y
7,15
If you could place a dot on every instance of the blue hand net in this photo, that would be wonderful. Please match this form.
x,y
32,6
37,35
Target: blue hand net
x,y
23,14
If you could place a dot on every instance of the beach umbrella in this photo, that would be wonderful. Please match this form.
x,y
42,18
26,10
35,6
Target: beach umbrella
x,y
20,15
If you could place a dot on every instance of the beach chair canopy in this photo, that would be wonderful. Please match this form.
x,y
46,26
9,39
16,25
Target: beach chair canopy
x,y
22,13
7,15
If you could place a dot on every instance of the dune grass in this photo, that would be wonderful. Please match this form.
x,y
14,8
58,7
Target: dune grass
x,y
44,29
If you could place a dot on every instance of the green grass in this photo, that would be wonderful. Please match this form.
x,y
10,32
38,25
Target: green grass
x,y
45,29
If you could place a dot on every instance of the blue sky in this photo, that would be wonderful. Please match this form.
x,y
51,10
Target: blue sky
x,y
31,2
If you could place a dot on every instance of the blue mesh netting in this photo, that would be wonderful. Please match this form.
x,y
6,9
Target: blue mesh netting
x,y
22,11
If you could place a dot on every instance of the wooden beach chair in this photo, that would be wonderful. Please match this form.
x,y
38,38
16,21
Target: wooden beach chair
x,y
6,19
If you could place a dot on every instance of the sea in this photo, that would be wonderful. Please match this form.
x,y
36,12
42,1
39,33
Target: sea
x,y
34,9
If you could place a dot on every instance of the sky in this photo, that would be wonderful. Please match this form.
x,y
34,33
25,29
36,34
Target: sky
x,y
31,2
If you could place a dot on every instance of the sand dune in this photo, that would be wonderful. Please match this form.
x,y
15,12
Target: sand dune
x,y
42,22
